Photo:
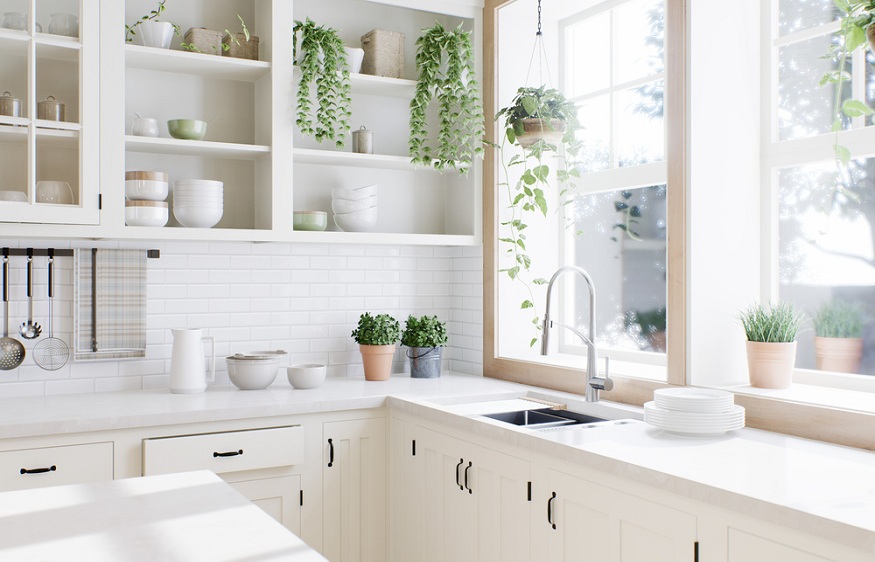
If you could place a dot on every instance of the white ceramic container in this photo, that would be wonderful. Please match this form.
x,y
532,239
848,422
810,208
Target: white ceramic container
x,y
54,192
252,373
146,213
146,190
12,195
354,194
306,376
197,217
155,34
362,221
349,206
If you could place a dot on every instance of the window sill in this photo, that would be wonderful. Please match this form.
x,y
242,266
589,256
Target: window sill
x,y
836,398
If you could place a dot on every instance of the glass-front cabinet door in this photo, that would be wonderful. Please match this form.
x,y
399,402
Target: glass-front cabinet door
x,y
49,87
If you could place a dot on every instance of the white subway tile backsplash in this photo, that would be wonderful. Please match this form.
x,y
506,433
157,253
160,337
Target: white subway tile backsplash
x,y
305,299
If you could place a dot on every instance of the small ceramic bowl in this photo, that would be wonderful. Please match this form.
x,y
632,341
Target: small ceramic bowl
x,y
187,129
197,216
146,213
310,220
350,206
354,194
252,373
306,376
146,190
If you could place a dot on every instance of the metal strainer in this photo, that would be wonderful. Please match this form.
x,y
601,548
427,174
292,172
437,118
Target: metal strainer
x,y
51,353
11,350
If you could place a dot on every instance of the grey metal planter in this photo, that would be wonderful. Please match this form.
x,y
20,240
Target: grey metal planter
x,y
425,362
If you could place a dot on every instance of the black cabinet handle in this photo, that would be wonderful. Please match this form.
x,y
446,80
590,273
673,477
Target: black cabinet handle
x,y
459,484
330,453
38,470
228,454
550,510
467,468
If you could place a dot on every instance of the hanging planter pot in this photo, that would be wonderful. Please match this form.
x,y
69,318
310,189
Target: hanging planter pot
x,y
536,129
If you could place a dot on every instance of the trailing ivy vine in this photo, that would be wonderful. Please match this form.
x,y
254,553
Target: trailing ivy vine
x,y
445,61
323,64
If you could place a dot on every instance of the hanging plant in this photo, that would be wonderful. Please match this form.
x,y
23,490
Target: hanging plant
x,y
529,149
445,62
323,64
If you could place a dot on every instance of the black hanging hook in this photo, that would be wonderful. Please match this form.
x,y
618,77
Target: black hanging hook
x,y
539,19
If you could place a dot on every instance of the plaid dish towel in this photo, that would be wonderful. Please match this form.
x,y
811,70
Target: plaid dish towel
x,y
116,281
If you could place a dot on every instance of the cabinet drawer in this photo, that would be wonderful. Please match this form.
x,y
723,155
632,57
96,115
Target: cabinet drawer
x,y
224,452
54,466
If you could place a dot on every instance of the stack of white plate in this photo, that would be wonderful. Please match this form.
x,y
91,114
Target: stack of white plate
x,y
355,210
694,411
198,203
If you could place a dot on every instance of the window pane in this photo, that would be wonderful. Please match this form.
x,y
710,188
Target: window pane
x,y
805,108
826,246
588,61
640,133
620,242
796,15
595,116
639,41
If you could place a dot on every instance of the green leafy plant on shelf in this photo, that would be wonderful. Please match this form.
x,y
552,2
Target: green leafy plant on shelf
x,y
839,319
774,323
225,46
426,331
381,329
538,124
324,67
131,30
445,64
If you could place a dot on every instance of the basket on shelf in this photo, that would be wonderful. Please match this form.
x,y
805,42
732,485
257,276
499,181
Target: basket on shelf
x,y
384,53
203,40
241,48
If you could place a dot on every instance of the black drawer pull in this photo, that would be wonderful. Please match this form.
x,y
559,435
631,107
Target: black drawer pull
x,y
228,454
330,453
550,510
38,470
459,484
467,468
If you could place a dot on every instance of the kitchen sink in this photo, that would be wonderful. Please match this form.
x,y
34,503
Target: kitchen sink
x,y
543,418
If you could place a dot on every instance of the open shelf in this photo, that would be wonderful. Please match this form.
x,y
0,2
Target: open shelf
x,y
377,85
13,36
383,238
50,137
337,158
159,145
198,64
57,47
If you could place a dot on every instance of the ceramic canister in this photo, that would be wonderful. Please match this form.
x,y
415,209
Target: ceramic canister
x,y
363,141
9,105
51,109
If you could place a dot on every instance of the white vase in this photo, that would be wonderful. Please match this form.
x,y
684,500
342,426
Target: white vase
x,y
354,58
155,34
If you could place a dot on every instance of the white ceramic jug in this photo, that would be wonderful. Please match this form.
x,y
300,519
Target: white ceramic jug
x,y
187,365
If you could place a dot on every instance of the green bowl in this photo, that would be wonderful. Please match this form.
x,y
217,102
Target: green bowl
x,y
187,129
310,220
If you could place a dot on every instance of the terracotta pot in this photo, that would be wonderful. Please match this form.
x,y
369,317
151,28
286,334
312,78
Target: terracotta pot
x,y
839,355
535,131
770,365
377,360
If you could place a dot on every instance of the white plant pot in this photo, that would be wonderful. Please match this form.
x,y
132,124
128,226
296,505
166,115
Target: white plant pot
x,y
354,58
155,34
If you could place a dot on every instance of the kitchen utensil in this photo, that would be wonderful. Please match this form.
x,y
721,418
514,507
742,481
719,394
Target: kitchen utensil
x,y
64,24
30,330
11,350
306,376
146,213
187,363
187,129
309,220
51,353
363,141
9,105
54,192
144,126
51,109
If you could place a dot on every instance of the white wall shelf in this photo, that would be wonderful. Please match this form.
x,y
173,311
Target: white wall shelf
x,y
197,64
55,47
337,158
382,86
159,145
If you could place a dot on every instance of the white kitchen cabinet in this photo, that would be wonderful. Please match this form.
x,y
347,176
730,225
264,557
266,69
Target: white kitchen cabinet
x,y
55,466
39,63
455,500
588,521
354,490
279,497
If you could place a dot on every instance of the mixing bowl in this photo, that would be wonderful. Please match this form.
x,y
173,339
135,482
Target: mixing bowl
x,y
187,129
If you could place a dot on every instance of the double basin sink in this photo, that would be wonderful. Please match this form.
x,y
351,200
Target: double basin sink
x,y
544,418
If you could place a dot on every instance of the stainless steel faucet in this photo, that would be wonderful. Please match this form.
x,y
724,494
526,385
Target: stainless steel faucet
x,y
594,383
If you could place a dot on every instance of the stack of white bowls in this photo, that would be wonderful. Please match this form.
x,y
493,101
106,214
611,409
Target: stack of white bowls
x,y
145,193
355,210
694,411
198,203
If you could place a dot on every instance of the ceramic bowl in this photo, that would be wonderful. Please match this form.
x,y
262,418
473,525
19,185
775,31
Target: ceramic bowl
x,y
354,194
198,200
54,192
146,213
187,129
199,183
340,206
146,190
361,221
196,216
306,376
310,220
252,373
12,195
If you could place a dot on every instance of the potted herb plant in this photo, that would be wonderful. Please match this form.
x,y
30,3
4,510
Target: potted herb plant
x,y
539,114
152,31
425,336
324,68
771,344
838,341
445,66
376,336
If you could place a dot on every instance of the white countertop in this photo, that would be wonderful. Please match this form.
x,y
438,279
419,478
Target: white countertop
x,y
192,516
813,487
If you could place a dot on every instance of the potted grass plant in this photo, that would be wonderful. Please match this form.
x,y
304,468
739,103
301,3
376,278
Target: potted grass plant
x,y
376,336
771,344
425,337
838,340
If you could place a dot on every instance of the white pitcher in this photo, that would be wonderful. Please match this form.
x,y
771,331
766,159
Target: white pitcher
x,y
187,364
